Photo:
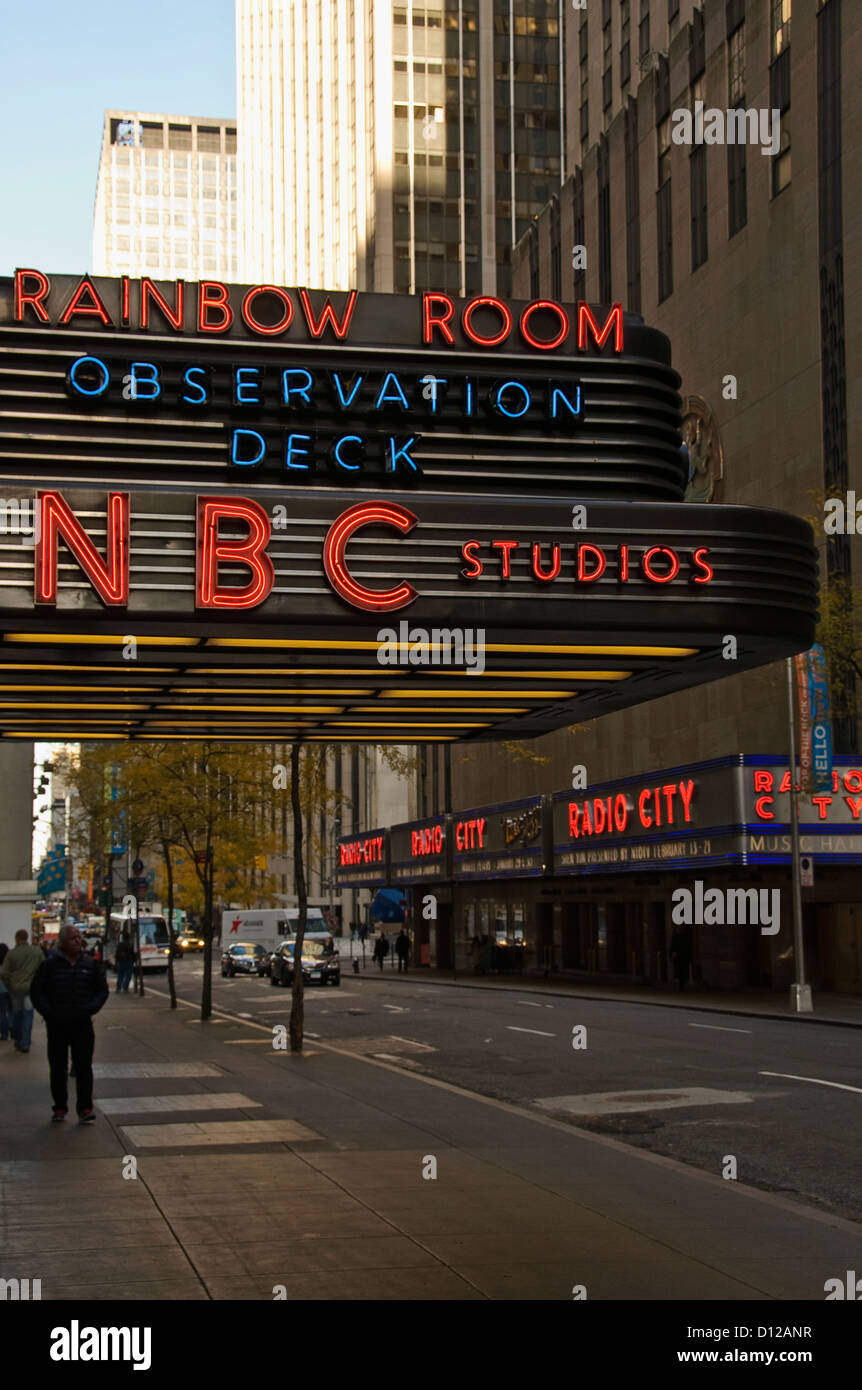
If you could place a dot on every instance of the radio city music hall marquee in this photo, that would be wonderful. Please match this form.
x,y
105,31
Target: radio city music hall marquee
x,y
249,479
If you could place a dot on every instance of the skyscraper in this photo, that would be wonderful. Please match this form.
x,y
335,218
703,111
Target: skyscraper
x,y
395,147
166,197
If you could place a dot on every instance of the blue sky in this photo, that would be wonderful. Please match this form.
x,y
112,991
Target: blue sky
x,y
63,65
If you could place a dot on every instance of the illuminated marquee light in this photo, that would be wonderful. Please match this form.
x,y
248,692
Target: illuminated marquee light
x,y
85,300
327,315
609,815
590,563
254,324
173,316
249,551
109,577
334,563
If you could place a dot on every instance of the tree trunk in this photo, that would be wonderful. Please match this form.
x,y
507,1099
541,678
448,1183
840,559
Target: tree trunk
x,y
207,991
172,935
296,1010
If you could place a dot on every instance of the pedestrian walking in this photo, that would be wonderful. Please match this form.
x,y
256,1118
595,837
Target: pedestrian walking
x,y
68,989
680,954
17,972
381,949
5,1001
402,950
125,959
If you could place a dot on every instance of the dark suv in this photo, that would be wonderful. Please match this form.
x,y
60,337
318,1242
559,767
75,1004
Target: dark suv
x,y
243,958
319,966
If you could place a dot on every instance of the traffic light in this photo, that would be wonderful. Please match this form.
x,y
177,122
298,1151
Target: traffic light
x,y
260,862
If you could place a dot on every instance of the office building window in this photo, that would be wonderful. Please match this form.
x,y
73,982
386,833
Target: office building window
x,y
633,244
585,83
736,67
579,226
604,206
737,197
664,212
781,161
643,30
697,48
625,42
672,11
556,267
779,13
697,184
607,75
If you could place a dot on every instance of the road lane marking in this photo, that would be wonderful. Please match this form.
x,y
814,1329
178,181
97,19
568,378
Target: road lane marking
x,y
512,1029
528,1004
716,1028
396,1008
112,1070
815,1081
411,1042
624,1102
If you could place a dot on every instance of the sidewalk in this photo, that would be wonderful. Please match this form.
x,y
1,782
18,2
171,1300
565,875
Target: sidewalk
x,y
256,1169
842,1010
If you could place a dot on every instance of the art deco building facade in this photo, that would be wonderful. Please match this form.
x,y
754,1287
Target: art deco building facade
x,y
395,147
166,197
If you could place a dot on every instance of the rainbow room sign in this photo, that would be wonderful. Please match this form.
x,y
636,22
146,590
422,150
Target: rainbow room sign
x,y
218,503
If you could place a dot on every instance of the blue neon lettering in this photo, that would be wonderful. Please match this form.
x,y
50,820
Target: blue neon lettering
x,y
288,458
336,381
574,409
247,380
199,386
151,378
83,390
336,451
301,391
469,398
239,435
498,400
383,396
400,453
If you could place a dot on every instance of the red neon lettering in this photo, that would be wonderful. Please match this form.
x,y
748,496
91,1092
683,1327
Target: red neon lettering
x,y
554,309
214,296
686,791
702,564
624,564
856,784
467,554
430,320
760,806
254,324
335,545
545,575
763,781
124,310
24,297
669,792
785,782
587,828
110,578
148,291
855,804
574,814
822,803
593,551
486,301
250,550
598,816
505,548
645,820
586,320
327,316
85,300
621,811
646,564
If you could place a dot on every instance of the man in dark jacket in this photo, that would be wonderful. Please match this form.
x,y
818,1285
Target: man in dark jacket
x,y
68,989
402,950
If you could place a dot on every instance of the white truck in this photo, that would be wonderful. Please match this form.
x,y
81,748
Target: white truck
x,y
270,926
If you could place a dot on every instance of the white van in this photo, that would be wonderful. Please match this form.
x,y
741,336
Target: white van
x,y
270,926
154,935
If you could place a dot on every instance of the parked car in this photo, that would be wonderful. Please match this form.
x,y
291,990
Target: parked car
x,y
242,958
319,966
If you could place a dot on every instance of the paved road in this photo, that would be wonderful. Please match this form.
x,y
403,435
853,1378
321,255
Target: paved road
x,y
696,1087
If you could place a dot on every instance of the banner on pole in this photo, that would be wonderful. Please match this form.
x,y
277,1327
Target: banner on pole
x,y
820,722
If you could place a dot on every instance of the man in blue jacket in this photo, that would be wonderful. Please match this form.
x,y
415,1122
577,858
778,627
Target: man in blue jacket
x,y
68,989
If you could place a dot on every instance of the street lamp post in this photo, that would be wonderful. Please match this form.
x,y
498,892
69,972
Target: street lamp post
x,y
800,993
